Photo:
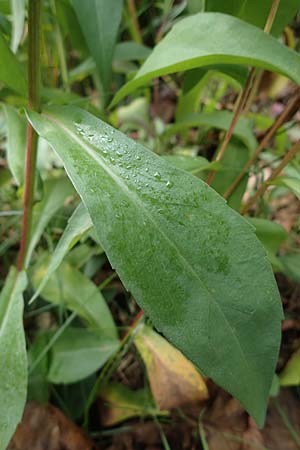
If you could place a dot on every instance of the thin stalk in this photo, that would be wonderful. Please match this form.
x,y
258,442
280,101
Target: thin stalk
x,y
271,16
243,99
254,90
135,27
241,102
260,192
259,73
34,77
286,114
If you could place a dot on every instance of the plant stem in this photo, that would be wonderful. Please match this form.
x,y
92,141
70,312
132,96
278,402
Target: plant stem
x,y
34,26
134,28
271,16
238,111
246,94
287,113
288,157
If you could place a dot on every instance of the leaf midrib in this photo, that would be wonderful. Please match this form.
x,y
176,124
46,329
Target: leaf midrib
x,y
132,195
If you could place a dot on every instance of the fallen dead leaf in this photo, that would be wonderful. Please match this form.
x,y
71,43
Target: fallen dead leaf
x,y
283,422
225,423
174,380
46,428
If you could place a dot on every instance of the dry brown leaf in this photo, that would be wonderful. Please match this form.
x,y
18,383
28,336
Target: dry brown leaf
x,y
225,423
174,380
253,438
45,427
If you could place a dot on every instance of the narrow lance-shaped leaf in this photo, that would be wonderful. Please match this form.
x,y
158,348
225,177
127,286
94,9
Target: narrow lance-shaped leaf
x,y
189,45
11,73
13,367
99,21
79,223
193,264
55,193
16,142
18,19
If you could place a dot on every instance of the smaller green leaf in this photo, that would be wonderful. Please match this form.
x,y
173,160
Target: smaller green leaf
x,y
11,73
16,142
18,20
291,266
129,51
55,193
38,387
271,234
292,183
192,164
77,354
99,21
13,367
233,162
220,120
194,82
67,20
78,224
70,287
290,376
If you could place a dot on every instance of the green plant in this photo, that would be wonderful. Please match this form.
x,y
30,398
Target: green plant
x,y
194,265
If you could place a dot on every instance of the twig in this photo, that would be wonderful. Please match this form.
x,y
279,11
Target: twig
x,y
34,26
287,113
260,192
238,111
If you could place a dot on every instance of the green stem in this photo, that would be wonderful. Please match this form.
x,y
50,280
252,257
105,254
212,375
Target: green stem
x,y
34,82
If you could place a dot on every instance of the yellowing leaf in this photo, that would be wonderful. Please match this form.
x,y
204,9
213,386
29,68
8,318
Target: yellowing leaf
x,y
174,380
119,403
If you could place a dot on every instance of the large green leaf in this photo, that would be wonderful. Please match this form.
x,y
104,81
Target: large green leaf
x,y
11,73
189,45
13,367
193,264
99,21
256,11
78,353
